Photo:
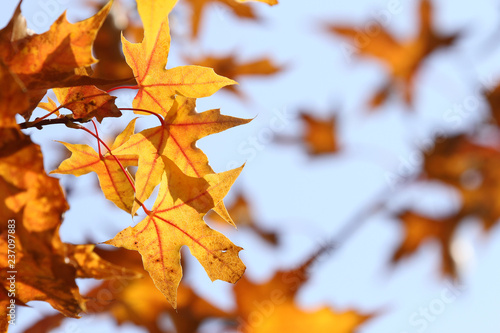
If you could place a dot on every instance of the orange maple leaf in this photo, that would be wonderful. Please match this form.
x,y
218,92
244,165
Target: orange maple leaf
x,y
60,50
46,267
108,46
238,7
402,58
319,134
198,6
230,67
13,96
39,62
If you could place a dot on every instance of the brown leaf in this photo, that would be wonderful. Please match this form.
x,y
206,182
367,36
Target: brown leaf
x,y
470,168
87,102
421,229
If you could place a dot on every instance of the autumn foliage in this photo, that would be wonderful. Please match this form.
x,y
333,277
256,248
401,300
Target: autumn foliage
x,y
68,76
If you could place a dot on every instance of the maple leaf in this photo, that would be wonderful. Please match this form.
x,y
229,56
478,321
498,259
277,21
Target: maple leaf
x,y
148,59
13,96
89,264
471,169
403,59
49,106
39,62
47,268
22,165
87,102
22,168
112,178
319,135
288,318
421,229
176,220
175,139
230,67
142,303
60,50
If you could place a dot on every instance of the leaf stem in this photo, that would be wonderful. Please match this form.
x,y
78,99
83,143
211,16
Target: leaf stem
x,y
122,87
97,134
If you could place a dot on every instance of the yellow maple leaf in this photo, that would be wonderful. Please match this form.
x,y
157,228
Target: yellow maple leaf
x,y
112,178
148,59
176,220
175,139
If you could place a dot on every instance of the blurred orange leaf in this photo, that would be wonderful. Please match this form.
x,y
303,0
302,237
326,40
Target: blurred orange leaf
x,y
230,67
319,134
271,306
403,59
470,168
420,230
198,6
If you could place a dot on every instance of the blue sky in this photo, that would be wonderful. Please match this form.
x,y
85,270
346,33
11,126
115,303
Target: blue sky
x,y
306,199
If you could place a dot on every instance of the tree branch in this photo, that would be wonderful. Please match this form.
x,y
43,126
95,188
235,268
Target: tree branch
x,y
63,120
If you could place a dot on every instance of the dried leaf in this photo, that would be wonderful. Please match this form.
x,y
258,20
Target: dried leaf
x,y
87,102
